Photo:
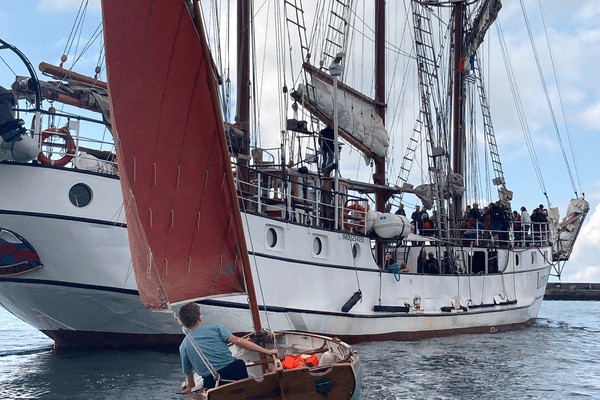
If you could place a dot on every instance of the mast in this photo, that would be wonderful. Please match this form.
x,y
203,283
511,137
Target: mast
x,y
242,117
379,176
243,121
458,105
243,70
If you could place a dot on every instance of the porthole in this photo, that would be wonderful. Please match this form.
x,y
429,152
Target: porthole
x,y
516,259
317,246
355,250
271,237
532,258
80,195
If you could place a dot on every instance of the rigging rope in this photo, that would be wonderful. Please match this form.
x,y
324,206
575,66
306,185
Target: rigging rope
x,y
519,108
539,67
560,97
77,26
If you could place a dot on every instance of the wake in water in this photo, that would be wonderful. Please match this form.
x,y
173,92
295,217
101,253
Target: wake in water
x,y
27,351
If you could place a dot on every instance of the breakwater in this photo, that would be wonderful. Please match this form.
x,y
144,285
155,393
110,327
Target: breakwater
x,y
572,291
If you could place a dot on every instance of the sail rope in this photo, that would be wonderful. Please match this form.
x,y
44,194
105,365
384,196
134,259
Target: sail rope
x,y
152,270
77,27
560,97
519,108
546,93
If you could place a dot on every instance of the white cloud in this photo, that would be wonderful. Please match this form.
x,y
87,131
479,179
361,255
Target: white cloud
x,y
589,12
590,117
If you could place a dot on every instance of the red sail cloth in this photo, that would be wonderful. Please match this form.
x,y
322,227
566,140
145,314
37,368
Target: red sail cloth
x,y
170,145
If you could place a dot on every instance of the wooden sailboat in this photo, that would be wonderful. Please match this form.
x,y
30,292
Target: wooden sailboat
x,y
184,223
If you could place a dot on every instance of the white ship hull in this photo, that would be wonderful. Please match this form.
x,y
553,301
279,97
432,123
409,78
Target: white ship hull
x,y
85,293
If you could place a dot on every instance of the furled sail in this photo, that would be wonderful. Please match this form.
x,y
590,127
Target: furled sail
x,y
565,233
486,15
67,91
175,173
358,118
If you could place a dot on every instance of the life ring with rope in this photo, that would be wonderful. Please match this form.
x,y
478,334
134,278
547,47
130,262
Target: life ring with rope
x,y
64,134
354,217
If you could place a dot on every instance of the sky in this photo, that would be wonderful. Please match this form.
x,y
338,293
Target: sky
x,y
40,29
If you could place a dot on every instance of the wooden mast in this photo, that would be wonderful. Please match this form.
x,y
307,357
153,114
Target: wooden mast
x,y
458,105
243,121
379,176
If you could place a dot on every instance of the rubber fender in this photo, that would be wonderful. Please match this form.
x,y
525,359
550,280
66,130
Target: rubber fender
x,y
352,301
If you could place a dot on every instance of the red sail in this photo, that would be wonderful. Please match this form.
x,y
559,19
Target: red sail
x,y
175,172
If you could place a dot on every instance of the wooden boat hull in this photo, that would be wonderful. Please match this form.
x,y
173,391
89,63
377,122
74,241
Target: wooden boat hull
x,y
338,375
335,383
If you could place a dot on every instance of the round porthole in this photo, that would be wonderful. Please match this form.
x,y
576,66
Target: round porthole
x,y
271,237
317,246
80,195
355,250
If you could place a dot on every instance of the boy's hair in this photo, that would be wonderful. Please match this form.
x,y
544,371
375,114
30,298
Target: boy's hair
x,y
189,314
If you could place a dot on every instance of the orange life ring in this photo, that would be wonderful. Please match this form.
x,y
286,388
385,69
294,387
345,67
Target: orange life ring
x,y
352,222
70,146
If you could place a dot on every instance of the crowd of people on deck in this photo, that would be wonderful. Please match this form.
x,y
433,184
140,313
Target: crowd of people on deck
x,y
493,223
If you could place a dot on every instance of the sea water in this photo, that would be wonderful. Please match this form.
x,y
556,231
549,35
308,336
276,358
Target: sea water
x,y
558,357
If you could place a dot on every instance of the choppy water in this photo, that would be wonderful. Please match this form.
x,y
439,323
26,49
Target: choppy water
x,y
556,358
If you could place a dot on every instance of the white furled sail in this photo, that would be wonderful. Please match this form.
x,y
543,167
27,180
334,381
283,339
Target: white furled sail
x,y
358,119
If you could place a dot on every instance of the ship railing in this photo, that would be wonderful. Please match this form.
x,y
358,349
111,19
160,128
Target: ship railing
x,y
301,198
61,133
511,235
87,152
508,235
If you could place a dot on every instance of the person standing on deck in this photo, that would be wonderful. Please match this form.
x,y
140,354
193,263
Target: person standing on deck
x,y
526,221
400,210
417,219
328,149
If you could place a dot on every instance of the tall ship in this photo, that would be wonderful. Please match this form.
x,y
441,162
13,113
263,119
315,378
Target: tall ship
x,y
330,254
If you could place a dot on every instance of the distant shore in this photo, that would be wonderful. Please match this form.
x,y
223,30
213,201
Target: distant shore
x,y
572,291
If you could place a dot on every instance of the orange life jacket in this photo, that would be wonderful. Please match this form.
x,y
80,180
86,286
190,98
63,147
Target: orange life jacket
x,y
290,362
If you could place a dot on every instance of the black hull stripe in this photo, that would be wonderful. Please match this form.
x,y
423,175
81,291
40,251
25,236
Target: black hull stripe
x,y
48,282
64,218
275,309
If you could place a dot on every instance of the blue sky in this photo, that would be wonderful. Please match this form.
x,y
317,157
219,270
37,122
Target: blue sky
x,y
40,30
